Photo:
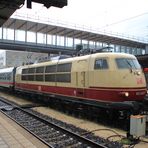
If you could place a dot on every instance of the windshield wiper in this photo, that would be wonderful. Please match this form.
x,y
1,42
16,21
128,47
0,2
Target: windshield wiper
x,y
130,65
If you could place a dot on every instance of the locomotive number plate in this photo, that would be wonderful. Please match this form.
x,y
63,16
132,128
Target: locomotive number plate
x,y
140,93
139,81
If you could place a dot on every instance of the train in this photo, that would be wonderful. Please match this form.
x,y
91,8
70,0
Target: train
x,y
107,80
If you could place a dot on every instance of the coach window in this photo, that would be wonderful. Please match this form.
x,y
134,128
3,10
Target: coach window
x,y
64,67
24,77
8,76
50,78
50,69
101,64
39,78
25,71
66,78
31,70
1,76
40,70
30,77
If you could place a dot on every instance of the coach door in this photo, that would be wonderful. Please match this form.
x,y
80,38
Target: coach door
x,y
81,77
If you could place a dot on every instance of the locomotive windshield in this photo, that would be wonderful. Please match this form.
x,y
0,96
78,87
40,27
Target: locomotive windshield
x,y
127,63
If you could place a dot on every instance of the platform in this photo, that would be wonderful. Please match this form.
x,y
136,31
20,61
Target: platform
x,y
14,136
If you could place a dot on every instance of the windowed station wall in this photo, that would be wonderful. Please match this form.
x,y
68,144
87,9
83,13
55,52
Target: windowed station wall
x,y
64,41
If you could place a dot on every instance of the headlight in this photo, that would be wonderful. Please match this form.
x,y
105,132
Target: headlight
x,y
126,94
138,72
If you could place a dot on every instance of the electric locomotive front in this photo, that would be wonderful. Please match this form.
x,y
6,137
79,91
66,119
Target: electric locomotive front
x,y
117,80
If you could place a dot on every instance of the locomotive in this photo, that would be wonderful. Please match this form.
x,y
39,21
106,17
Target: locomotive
x,y
108,80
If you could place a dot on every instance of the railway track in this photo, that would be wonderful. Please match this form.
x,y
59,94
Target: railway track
x,y
52,132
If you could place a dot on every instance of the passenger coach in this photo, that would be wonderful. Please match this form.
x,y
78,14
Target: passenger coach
x,y
7,76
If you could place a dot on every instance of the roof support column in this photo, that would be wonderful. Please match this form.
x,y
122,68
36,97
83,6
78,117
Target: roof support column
x,y
88,44
95,44
146,49
2,32
88,41
56,36
46,35
26,32
81,39
115,48
125,49
130,50
14,30
36,33
64,41
101,44
73,44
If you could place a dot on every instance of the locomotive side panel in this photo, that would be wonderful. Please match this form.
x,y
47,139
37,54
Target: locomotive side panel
x,y
31,78
80,71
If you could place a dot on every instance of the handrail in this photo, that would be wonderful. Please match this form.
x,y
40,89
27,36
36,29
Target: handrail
x,y
62,23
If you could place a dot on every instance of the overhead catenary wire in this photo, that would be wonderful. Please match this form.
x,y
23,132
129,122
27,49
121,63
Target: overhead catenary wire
x,y
124,20
105,129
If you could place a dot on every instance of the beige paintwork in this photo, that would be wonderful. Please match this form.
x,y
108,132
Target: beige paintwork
x,y
83,74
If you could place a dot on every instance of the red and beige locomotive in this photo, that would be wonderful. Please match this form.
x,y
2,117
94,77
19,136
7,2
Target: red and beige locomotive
x,y
113,80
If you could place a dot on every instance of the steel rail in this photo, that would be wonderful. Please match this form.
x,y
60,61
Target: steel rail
x,y
72,134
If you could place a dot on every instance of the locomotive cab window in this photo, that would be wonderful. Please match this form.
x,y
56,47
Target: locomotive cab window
x,y
101,64
124,63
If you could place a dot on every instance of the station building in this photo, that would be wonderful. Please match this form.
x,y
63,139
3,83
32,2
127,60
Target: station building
x,y
17,58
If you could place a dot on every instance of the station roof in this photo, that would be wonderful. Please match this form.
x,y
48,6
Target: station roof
x,y
72,32
8,7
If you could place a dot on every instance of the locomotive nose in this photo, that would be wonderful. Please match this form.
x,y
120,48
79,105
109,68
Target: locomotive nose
x,y
133,94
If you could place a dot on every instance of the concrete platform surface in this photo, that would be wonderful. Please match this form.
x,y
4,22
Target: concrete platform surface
x,y
14,136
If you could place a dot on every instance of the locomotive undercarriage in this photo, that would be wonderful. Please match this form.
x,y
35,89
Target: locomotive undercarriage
x,y
111,114
106,116
99,112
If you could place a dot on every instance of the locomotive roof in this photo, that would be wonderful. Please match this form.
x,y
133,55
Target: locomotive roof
x,y
113,54
96,55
